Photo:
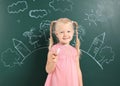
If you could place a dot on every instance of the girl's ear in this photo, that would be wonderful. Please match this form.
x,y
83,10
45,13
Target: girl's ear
x,y
56,33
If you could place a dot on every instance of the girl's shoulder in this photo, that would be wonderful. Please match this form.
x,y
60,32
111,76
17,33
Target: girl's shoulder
x,y
73,48
54,47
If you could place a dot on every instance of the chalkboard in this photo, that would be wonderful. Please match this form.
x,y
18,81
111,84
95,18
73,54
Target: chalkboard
x,y
24,34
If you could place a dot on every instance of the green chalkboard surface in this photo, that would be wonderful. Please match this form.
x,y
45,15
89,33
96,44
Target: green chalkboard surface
x,y
24,34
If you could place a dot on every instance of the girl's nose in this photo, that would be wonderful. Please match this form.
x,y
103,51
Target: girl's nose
x,y
65,34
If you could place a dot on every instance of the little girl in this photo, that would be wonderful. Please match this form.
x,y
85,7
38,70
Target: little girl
x,y
63,66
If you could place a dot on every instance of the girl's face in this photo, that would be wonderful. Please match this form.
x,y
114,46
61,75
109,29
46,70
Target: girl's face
x,y
64,32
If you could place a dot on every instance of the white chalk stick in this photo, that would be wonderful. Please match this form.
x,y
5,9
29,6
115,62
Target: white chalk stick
x,y
58,50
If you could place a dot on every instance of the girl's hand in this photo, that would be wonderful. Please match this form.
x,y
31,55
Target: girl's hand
x,y
51,61
52,57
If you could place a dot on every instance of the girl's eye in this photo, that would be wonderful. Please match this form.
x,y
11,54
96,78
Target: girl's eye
x,y
61,32
68,31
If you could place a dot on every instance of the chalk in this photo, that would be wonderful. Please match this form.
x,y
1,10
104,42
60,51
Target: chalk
x,y
58,50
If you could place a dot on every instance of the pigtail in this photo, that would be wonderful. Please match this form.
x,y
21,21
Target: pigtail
x,y
51,42
77,46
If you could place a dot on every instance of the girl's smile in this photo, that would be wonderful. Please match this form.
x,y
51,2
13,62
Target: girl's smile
x,y
64,32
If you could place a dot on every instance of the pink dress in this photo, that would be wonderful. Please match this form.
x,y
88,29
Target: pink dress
x,y
65,73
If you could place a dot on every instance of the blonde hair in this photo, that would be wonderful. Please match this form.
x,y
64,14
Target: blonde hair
x,y
64,20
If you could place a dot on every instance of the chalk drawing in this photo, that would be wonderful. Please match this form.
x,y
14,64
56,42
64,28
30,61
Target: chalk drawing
x,y
57,5
91,18
93,58
33,37
38,13
44,28
104,10
106,55
17,7
101,14
96,44
9,58
97,49
21,49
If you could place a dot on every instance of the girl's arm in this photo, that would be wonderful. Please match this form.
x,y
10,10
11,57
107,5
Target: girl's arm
x,y
51,62
79,72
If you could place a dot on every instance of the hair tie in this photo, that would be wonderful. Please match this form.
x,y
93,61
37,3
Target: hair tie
x,y
72,21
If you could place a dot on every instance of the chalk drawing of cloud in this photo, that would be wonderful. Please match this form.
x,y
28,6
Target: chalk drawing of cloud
x,y
9,58
57,5
17,7
37,13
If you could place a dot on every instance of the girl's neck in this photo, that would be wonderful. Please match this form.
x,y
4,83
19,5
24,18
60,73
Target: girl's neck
x,y
64,44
